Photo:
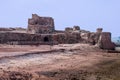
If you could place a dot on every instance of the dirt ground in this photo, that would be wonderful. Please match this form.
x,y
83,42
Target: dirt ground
x,y
58,62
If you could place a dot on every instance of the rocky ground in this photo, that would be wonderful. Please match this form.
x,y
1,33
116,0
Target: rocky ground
x,y
58,62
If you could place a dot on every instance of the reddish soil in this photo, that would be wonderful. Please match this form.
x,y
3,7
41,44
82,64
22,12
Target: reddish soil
x,y
58,62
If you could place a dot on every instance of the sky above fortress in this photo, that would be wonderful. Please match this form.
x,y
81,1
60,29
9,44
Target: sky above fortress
x,y
88,14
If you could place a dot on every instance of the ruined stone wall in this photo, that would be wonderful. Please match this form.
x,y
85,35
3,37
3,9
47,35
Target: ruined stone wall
x,y
18,37
61,38
40,25
72,29
73,37
28,39
5,29
76,28
104,41
68,29
93,38
41,31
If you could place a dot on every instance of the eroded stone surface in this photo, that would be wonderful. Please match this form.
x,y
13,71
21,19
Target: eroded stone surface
x,y
40,25
105,41
41,31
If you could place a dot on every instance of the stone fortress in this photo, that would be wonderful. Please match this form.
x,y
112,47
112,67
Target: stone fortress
x,y
40,25
41,30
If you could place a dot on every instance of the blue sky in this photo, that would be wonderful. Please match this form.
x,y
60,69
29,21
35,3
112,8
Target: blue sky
x,y
88,14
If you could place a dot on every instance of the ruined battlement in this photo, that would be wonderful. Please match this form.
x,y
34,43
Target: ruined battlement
x,y
40,25
41,30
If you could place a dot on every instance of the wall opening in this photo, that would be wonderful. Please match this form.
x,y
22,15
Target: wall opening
x,y
46,39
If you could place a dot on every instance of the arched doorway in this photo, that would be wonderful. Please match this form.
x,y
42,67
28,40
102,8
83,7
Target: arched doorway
x,y
46,39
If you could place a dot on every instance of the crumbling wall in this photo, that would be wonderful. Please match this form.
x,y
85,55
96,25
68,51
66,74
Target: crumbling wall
x,y
24,38
72,29
76,28
40,25
102,39
105,41
68,29
99,38
73,37
92,38
5,29
41,31
17,38
60,38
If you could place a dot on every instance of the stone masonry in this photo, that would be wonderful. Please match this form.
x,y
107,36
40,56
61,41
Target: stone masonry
x,y
41,30
40,25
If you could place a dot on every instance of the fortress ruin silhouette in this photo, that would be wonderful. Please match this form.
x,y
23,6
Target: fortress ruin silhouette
x,y
41,30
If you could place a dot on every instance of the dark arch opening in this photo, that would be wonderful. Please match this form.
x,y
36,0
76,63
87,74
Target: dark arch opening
x,y
46,39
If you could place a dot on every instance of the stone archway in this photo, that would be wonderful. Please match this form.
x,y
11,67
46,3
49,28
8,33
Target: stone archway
x,y
46,39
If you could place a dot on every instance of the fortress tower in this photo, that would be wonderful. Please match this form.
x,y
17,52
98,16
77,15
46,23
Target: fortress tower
x,y
40,25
